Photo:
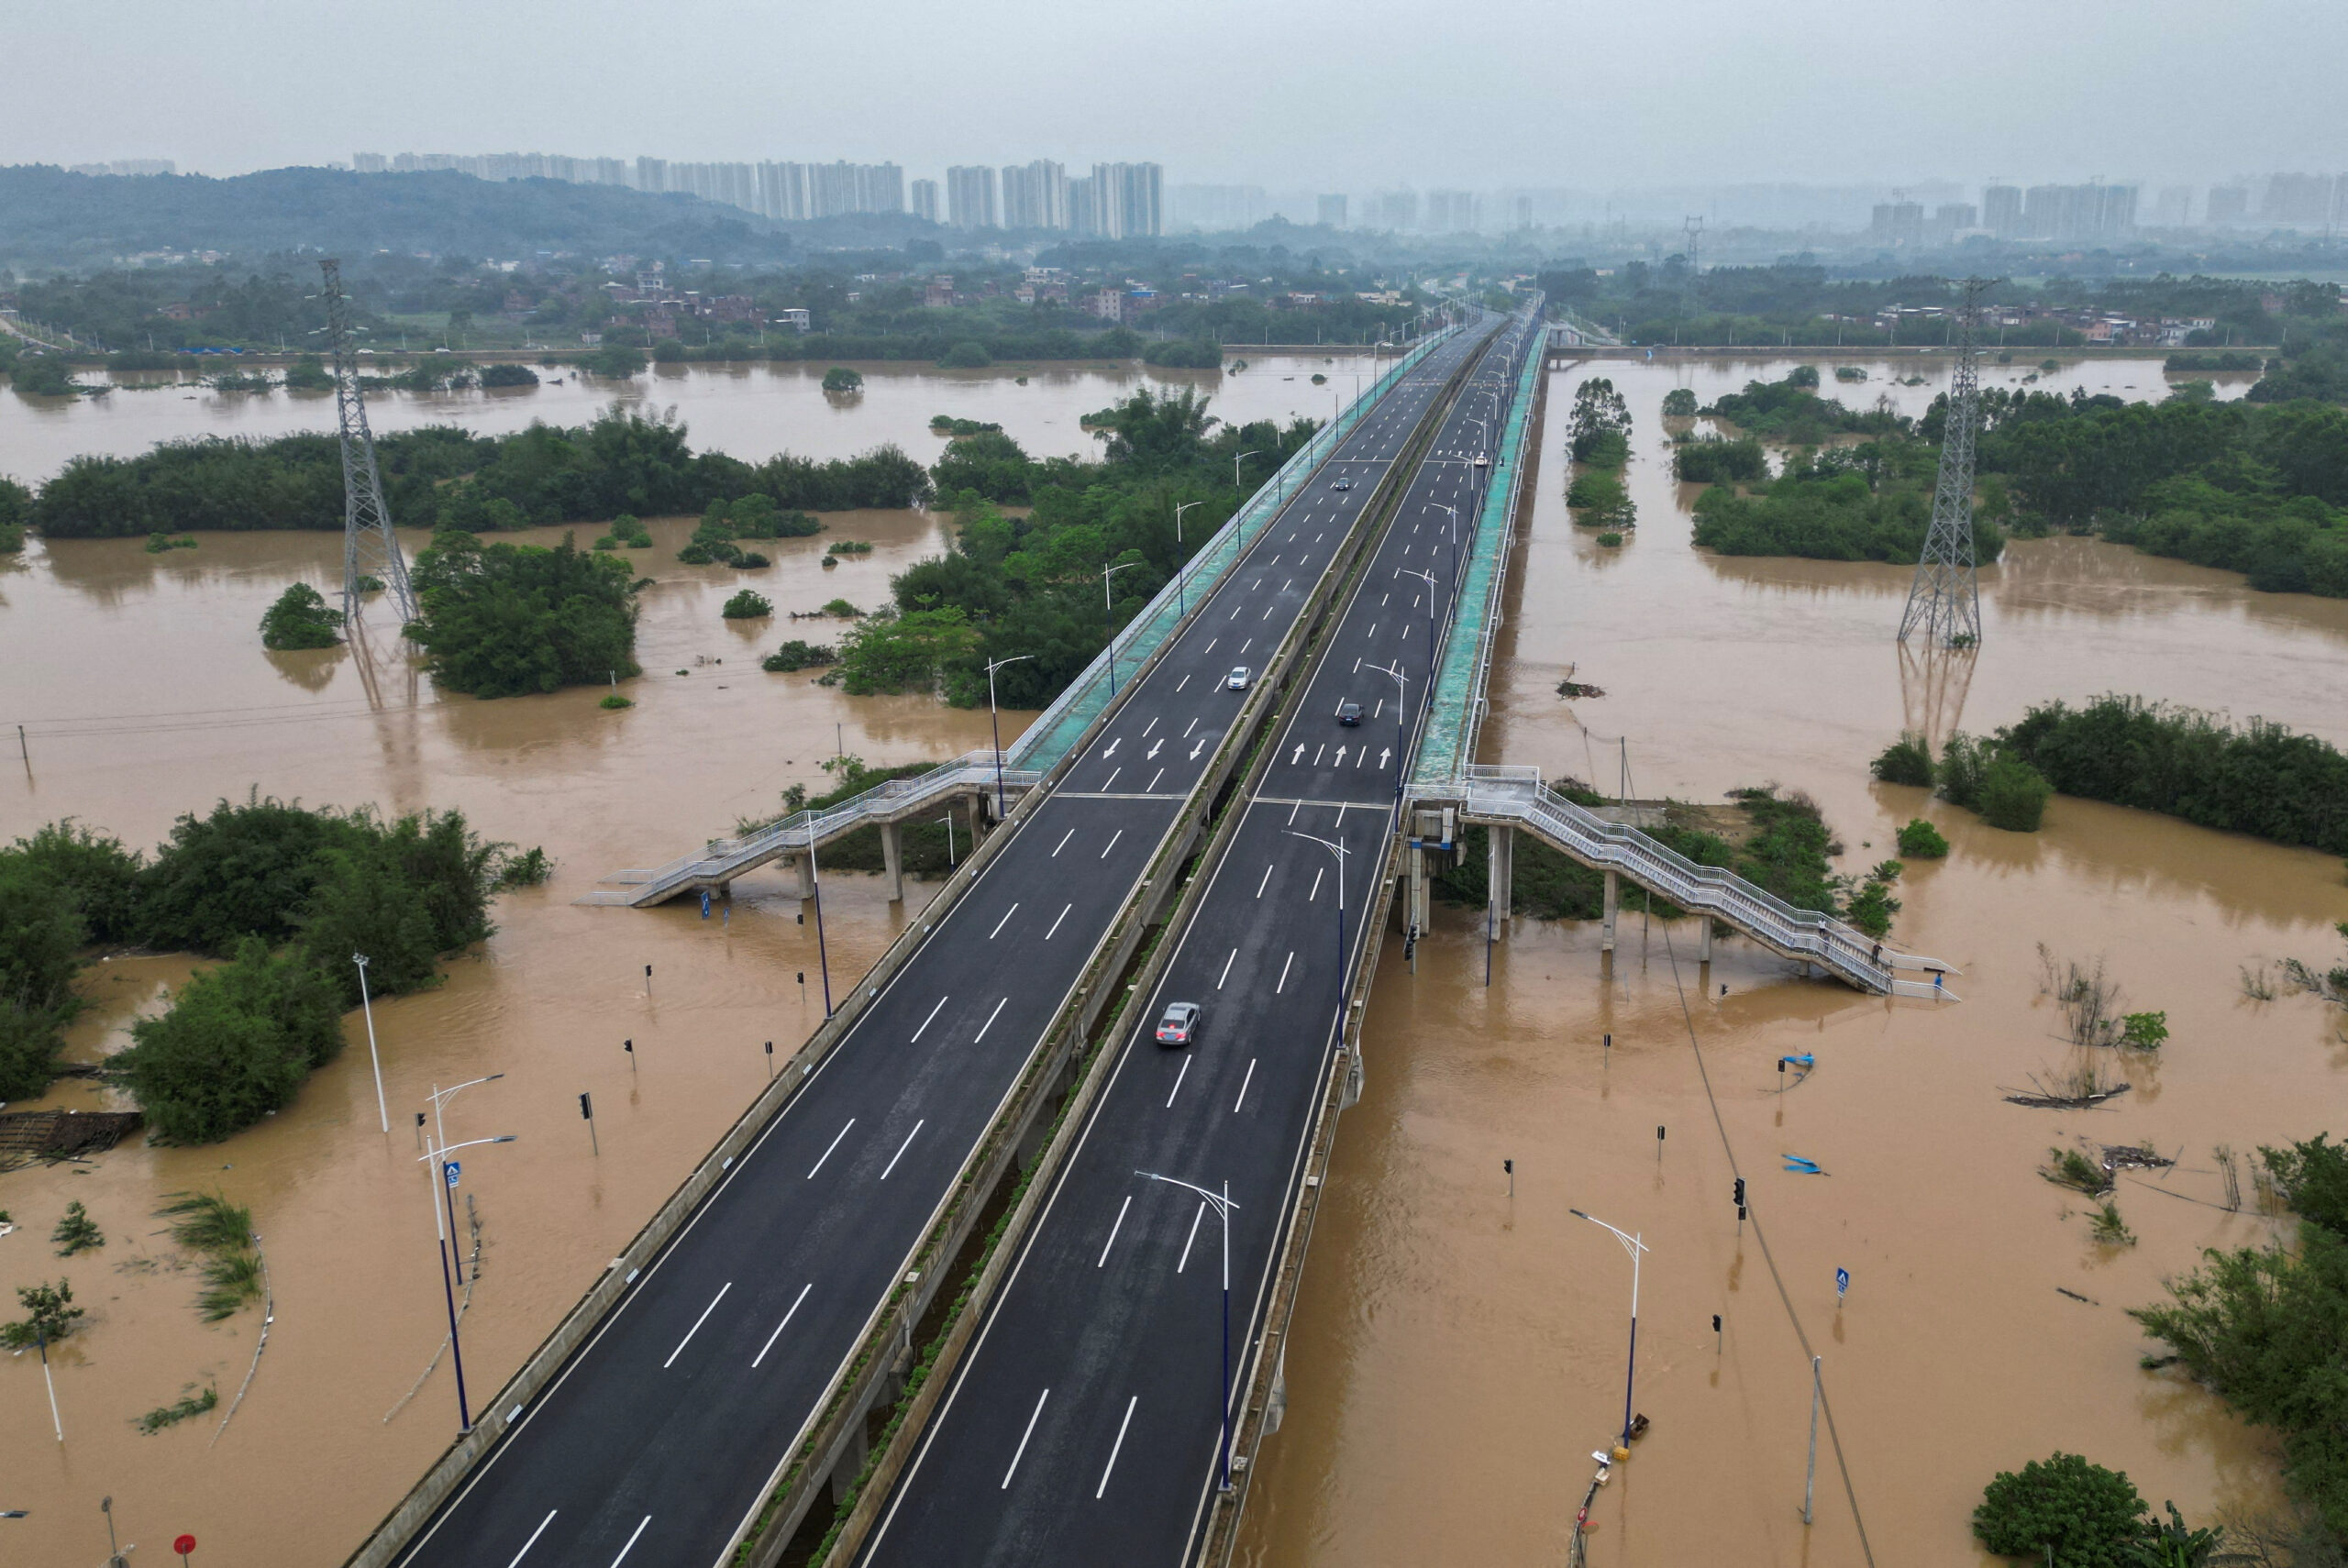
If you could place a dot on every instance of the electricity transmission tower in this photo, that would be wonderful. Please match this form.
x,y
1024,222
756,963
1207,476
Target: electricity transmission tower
x,y
370,548
1944,602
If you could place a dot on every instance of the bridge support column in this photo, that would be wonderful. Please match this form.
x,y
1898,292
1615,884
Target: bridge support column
x,y
805,867
893,859
1704,941
1613,907
1416,902
1499,853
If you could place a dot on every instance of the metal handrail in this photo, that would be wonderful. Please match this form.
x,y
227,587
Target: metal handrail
x,y
1517,792
801,828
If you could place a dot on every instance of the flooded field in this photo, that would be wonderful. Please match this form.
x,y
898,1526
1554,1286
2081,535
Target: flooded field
x,y
1457,1356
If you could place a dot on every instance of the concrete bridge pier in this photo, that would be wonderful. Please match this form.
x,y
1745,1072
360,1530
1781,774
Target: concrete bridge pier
x,y
1704,943
805,867
893,859
1613,909
1499,856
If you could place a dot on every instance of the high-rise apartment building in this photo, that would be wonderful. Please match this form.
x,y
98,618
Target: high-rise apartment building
x,y
1898,223
2228,203
2173,208
924,195
2001,210
1035,195
970,196
1397,210
1330,212
1453,212
2064,213
2303,200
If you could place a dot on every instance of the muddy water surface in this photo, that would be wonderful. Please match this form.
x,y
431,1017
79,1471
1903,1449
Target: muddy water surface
x,y
749,411
1458,1355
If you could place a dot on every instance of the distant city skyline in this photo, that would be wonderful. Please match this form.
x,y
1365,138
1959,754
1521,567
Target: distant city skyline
x,y
1117,200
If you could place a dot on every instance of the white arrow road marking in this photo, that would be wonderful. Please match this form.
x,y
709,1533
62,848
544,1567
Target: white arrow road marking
x,y
1385,755
1155,747
1201,744
1111,749
1340,760
1298,756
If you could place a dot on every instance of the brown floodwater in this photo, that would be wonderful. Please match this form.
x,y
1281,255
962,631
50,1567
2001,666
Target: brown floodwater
x,y
1455,1359
1457,1354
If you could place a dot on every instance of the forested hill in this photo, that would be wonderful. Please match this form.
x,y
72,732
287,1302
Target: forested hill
x,y
52,219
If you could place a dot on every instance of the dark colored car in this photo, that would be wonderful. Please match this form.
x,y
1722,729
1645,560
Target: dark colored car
x,y
1343,484
1179,1024
1349,713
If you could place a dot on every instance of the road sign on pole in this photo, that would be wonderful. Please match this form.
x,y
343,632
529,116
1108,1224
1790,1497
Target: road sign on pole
x,y
453,1168
1842,1282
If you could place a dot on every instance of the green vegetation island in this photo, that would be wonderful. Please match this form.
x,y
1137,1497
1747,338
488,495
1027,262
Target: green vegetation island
x,y
2259,488
282,896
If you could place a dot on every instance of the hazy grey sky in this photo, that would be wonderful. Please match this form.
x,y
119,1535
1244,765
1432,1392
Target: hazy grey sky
x,y
1338,93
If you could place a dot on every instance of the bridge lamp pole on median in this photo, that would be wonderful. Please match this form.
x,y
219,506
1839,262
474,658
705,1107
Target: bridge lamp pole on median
x,y
1400,681
995,721
1427,578
1108,614
1453,535
1222,1206
1634,1246
1182,569
1340,851
444,1174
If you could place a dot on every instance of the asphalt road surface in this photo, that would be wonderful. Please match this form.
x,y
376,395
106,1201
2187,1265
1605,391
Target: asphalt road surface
x,y
655,1443
1084,1426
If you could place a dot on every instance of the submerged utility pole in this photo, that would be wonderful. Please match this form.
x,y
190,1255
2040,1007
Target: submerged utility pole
x,y
1944,602
370,548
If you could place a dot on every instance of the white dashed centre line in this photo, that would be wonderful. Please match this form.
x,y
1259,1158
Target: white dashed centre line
x,y
1056,924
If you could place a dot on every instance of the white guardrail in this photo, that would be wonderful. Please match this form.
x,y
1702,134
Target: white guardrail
x,y
1515,796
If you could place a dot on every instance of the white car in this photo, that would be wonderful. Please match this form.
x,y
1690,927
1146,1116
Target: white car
x,y
1238,679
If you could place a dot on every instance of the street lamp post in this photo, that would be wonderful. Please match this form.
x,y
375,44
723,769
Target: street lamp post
x,y
1635,1247
1340,851
815,880
1236,462
1222,1206
1427,578
994,722
368,1007
1182,563
441,1178
1400,683
1453,535
1108,615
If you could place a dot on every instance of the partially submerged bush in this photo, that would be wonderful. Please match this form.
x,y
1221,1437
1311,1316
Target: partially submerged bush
x,y
798,655
1907,760
2062,1510
299,618
1920,840
747,605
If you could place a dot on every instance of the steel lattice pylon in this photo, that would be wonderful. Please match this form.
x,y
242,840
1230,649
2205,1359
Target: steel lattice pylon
x,y
1945,600
370,548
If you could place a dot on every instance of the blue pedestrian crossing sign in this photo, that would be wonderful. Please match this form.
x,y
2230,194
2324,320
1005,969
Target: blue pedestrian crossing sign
x,y
1842,1276
453,1168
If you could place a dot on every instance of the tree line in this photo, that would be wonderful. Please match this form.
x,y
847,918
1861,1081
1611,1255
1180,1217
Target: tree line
x,y
441,476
